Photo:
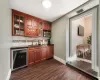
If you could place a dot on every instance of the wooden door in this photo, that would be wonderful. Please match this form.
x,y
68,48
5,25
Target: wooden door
x,y
31,57
37,55
44,53
50,51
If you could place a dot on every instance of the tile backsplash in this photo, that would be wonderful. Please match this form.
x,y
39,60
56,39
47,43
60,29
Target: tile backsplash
x,y
25,41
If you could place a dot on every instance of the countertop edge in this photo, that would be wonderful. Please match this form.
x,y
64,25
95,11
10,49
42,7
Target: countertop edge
x,y
18,47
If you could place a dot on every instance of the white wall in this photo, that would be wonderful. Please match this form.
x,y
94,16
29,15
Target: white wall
x,y
75,39
60,36
88,28
5,39
99,39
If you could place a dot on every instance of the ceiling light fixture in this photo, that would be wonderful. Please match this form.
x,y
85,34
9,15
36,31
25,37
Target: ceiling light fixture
x,y
46,3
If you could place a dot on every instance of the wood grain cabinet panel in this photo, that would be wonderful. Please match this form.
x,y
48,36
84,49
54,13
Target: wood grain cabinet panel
x,y
31,57
37,55
28,26
18,23
47,26
43,53
50,52
32,27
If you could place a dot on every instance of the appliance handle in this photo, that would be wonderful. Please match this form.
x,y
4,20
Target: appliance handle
x,y
14,59
19,49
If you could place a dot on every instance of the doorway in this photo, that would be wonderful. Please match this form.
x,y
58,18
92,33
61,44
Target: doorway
x,y
81,33
83,41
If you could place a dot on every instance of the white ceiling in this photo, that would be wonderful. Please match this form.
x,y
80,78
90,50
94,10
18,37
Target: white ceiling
x,y
35,8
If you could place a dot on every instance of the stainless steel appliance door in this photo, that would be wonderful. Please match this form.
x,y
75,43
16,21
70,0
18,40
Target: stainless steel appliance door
x,y
19,58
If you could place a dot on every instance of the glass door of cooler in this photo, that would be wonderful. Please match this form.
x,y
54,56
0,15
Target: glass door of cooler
x,y
19,59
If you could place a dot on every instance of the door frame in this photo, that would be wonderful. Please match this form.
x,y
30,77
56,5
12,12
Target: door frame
x,y
94,12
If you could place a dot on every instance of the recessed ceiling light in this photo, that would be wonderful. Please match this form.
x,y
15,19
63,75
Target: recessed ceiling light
x,y
46,3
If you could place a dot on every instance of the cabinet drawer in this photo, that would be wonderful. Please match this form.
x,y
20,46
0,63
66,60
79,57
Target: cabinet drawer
x,y
35,48
31,48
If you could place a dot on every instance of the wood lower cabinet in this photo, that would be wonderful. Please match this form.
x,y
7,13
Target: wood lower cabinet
x,y
50,52
44,53
31,56
38,54
34,56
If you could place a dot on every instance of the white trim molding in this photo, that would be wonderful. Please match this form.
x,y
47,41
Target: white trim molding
x,y
93,13
9,74
85,60
96,69
60,60
98,78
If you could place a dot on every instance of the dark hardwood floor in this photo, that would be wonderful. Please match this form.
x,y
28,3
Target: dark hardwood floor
x,y
84,66
47,70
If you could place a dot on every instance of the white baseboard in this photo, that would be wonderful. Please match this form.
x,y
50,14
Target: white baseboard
x,y
96,68
85,60
9,74
60,60
98,78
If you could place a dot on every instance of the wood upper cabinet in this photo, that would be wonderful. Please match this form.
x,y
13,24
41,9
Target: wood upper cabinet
x,y
18,23
50,52
27,25
31,56
47,26
31,27
43,53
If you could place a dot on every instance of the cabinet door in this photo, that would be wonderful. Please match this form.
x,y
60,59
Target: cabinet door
x,y
28,26
31,58
32,27
37,27
43,53
49,26
50,51
37,55
18,23
46,26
